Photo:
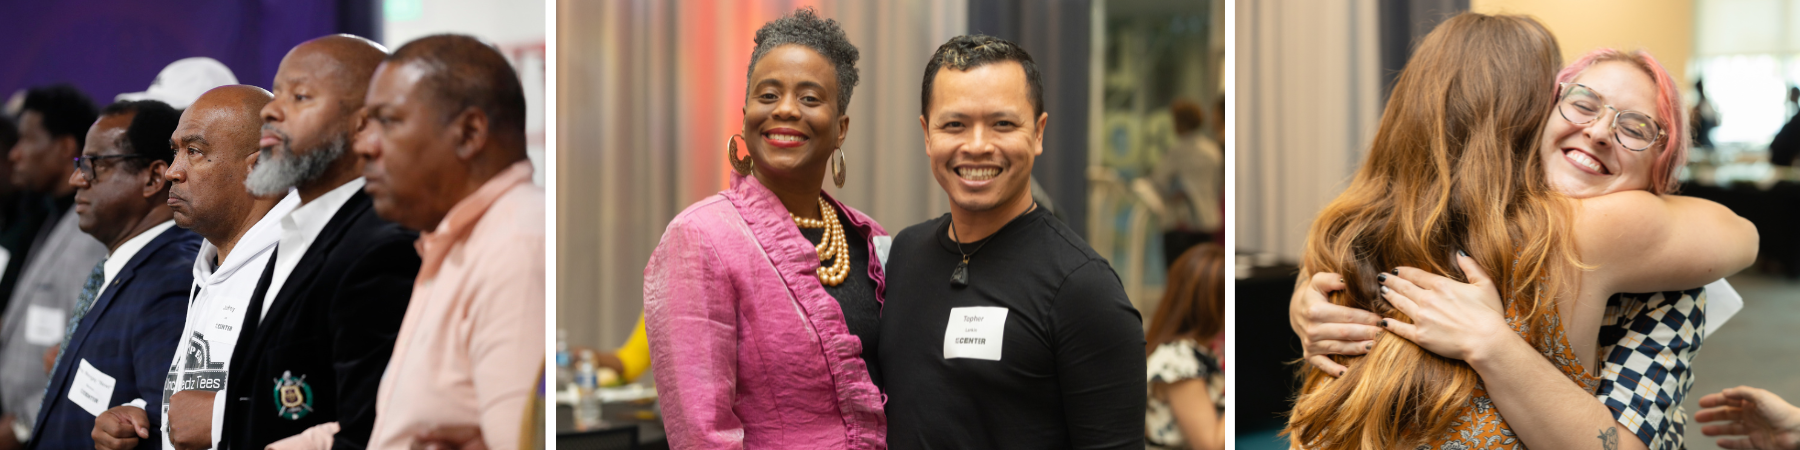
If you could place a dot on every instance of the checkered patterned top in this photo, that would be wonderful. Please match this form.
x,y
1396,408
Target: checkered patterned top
x,y
1649,341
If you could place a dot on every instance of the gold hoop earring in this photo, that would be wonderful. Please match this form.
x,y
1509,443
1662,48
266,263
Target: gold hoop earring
x,y
742,166
838,168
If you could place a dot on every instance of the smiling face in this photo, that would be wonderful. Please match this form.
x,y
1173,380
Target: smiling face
x,y
106,205
1585,161
981,136
791,118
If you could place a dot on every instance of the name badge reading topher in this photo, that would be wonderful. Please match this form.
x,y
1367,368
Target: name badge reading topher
x,y
92,389
975,332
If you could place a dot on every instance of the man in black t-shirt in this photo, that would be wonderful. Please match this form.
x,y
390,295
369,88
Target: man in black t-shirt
x,y
1002,327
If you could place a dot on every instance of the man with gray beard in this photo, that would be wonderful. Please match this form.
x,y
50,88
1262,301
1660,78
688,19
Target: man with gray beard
x,y
322,324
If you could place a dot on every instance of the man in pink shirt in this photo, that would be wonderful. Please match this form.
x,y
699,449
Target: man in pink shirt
x,y
444,150
446,156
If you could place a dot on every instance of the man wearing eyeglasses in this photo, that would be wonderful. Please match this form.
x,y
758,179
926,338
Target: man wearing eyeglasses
x,y
128,316
53,124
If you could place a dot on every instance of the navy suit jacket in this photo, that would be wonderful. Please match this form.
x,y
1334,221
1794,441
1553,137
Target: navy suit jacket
x,y
129,334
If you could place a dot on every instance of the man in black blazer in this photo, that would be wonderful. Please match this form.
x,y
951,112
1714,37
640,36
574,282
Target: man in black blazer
x,y
331,301
129,315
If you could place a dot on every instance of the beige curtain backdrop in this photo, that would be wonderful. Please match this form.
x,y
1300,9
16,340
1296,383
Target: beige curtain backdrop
x,y
649,92
1308,99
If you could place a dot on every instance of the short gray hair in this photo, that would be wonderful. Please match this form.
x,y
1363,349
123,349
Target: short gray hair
x,y
805,28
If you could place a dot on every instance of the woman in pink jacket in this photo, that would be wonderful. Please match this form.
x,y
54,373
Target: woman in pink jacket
x,y
762,301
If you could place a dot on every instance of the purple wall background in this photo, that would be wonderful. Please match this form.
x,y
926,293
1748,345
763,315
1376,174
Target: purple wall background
x,y
108,47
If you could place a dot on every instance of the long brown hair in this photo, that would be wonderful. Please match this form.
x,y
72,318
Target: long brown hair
x,y
1453,167
1193,307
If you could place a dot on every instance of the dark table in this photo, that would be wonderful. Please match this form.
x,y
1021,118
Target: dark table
x,y
1265,348
617,416
1773,211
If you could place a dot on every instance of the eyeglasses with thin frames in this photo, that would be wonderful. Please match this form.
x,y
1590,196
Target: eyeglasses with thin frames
x,y
86,164
1633,130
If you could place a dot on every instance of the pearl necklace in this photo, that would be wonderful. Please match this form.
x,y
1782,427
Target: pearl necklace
x,y
831,246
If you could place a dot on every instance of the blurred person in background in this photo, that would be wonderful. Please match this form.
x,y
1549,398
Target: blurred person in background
x,y
53,126
1787,141
1703,117
1191,179
184,80
22,213
1186,348
763,302
129,314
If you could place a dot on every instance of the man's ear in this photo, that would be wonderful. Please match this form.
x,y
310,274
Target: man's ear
x,y
1038,146
925,128
69,146
152,178
470,132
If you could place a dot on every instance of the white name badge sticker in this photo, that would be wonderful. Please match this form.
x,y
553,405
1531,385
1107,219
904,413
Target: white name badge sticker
x,y
882,245
975,332
92,389
44,326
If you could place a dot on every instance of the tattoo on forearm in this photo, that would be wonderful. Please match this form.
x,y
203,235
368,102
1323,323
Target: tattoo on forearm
x,y
1609,438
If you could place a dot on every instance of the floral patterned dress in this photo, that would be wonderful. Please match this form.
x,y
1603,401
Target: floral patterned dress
x,y
1478,425
1172,362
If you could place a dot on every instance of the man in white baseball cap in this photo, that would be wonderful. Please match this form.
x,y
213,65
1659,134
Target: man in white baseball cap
x,y
183,81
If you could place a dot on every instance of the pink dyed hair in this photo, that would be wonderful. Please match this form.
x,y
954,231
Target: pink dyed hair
x,y
1668,111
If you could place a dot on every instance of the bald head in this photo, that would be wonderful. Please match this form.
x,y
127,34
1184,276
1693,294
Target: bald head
x,y
458,72
306,129
215,147
225,116
344,61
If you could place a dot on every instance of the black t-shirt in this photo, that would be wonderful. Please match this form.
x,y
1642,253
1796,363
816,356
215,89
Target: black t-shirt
x,y
856,295
1064,364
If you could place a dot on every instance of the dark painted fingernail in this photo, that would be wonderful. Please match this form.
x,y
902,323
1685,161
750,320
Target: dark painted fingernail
x,y
1382,278
1343,372
1460,253
1396,271
1383,323
1369,346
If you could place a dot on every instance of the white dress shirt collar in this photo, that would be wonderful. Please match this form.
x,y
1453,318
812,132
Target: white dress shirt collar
x,y
300,228
115,262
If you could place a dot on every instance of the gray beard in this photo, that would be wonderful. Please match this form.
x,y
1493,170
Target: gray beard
x,y
280,168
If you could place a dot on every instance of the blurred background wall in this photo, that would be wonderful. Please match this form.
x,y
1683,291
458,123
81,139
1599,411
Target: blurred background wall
x,y
650,90
109,47
1663,27
516,27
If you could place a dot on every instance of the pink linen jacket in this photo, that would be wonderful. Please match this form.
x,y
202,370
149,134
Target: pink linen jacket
x,y
748,349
